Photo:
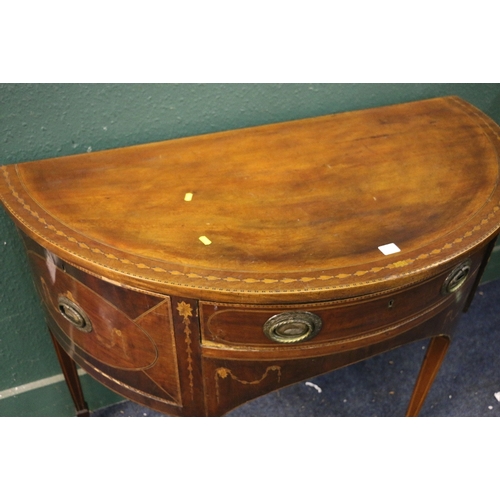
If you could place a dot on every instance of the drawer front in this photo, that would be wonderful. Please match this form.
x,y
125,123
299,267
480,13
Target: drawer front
x,y
248,326
123,334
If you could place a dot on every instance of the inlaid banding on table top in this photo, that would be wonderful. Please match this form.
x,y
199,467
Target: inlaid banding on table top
x,y
471,112
131,264
232,279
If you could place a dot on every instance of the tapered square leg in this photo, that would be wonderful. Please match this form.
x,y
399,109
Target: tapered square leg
x,y
433,359
70,373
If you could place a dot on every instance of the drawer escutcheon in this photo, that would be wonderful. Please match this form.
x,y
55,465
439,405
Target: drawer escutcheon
x,y
292,327
74,314
457,277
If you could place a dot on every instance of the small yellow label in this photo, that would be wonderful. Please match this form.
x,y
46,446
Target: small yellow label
x,y
188,196
205,240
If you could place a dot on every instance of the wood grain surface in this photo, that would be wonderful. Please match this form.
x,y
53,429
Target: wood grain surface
x,y
291,210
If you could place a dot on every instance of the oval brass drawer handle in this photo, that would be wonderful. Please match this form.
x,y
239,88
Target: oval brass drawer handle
x,y
292,327
457,277
74,314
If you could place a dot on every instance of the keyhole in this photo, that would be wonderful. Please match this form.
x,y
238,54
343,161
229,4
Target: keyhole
x,y
391,303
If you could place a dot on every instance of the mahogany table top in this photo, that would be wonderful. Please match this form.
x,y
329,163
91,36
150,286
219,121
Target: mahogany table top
x,y
285,212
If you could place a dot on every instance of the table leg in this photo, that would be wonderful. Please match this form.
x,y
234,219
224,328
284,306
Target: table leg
x,y
70,373
434,356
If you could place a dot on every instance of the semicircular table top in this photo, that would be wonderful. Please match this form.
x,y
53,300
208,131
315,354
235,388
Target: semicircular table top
x,y
293,209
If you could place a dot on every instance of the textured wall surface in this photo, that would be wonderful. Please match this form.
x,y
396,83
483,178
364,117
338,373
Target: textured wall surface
x,y
42,121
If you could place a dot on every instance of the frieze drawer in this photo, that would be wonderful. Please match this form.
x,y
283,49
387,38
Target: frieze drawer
x,y
345,322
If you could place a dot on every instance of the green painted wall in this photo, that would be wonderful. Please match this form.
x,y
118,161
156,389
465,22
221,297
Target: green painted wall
x,y
42,121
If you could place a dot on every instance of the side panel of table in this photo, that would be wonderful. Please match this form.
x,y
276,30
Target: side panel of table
x,y
123,338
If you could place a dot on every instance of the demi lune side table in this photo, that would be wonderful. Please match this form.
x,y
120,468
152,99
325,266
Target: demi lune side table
x,y
195,274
